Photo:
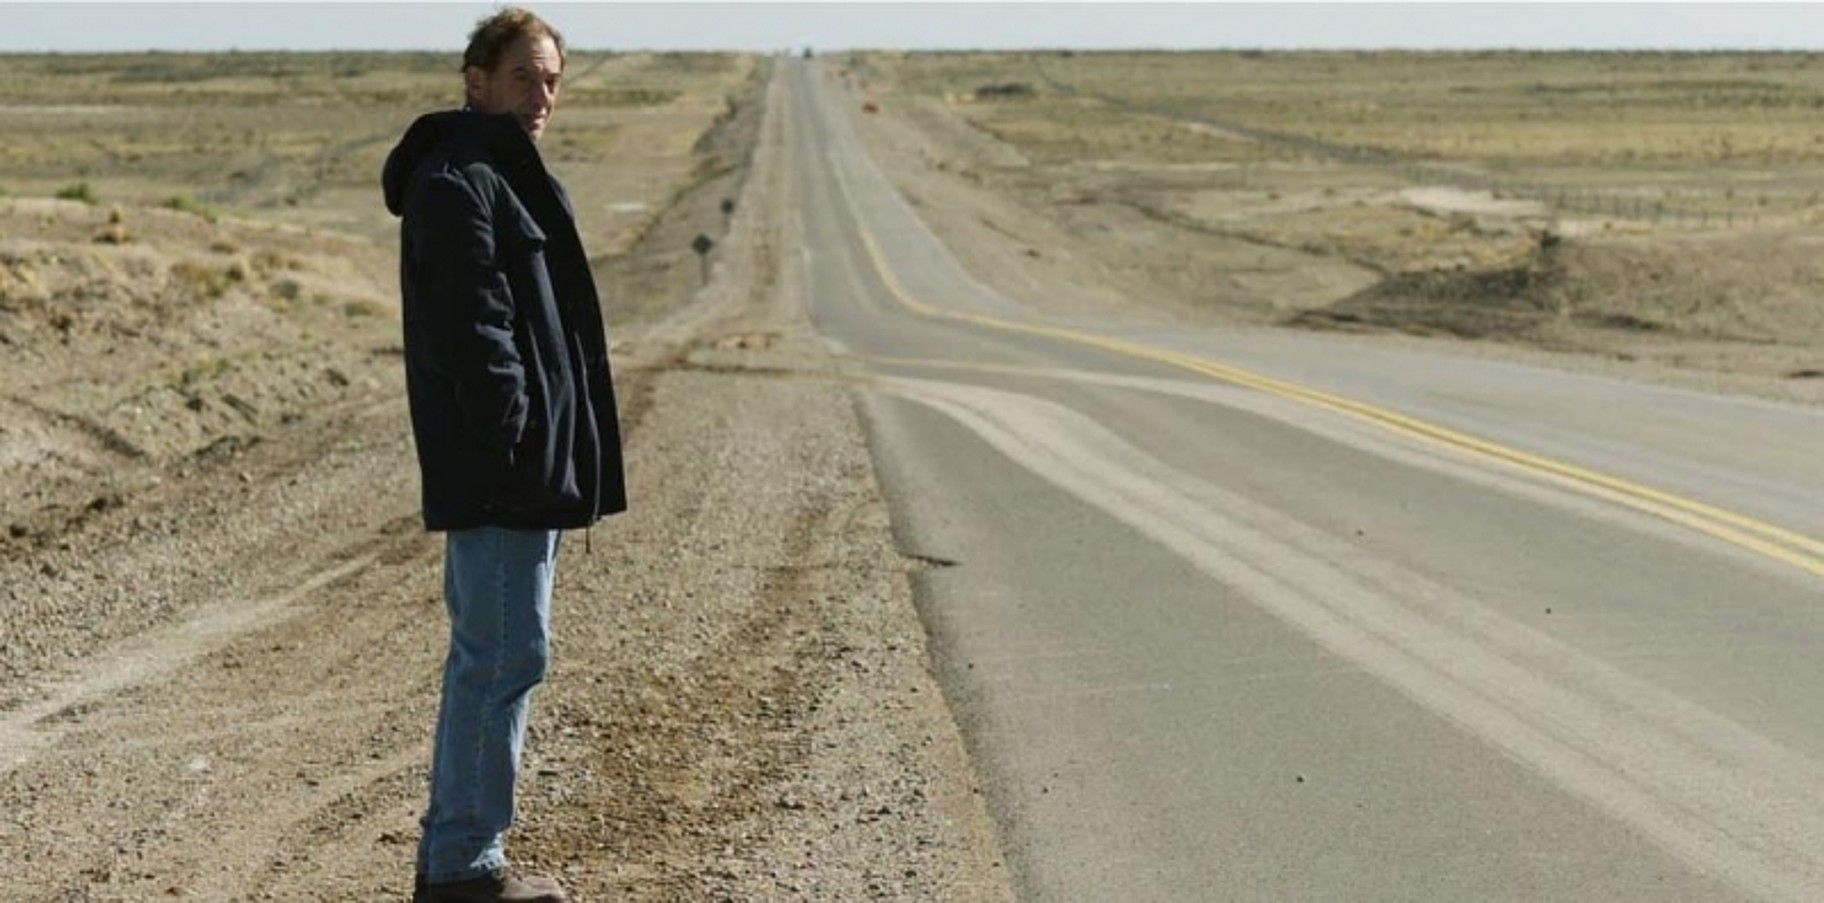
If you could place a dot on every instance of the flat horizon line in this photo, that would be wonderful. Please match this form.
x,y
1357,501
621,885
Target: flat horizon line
x,y
1762,51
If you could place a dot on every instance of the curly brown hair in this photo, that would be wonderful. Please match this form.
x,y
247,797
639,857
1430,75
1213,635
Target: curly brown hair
x,y
495,33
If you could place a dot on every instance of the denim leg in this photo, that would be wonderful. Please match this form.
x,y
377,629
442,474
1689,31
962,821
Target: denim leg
x,y
497,587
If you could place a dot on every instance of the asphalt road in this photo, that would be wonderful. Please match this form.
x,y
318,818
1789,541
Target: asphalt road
x,y
1260,615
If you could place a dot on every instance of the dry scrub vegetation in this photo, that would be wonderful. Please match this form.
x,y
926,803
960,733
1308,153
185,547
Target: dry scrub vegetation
x,y
194,252
1653,206
301,136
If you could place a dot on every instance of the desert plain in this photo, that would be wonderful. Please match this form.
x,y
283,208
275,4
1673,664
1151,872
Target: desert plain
x,y
225,626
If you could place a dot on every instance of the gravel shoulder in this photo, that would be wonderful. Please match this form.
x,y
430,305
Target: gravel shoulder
x,y
221,680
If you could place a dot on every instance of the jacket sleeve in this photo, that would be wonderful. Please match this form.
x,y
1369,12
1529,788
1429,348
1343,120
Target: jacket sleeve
x,y
472,306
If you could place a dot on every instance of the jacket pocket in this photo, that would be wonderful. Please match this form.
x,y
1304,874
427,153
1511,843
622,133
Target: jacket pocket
x,y
523,463
542,479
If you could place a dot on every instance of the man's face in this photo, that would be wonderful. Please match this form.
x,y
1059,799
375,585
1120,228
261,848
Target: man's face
x,y
524,83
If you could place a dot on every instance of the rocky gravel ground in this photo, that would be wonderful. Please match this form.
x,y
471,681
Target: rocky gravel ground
x,y
221,672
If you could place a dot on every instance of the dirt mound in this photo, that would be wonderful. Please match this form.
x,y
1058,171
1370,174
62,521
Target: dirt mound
x,y
1512,301
139,338
1753,289
1750,287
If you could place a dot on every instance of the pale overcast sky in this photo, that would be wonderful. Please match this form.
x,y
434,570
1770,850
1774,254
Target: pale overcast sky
x,y
771,26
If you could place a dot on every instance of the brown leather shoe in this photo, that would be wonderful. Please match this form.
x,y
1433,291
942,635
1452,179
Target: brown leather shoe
x,y
499,886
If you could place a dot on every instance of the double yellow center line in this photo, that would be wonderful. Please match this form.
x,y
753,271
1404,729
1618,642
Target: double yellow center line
x,y
1787,546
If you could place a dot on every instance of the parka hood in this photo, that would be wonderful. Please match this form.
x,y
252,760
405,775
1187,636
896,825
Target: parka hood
x,y
498,136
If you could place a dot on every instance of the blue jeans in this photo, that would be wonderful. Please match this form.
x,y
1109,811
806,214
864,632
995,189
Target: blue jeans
x,y
497,586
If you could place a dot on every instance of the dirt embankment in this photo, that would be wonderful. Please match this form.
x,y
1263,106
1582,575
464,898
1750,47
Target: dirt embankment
x,y
146,350
658,270
227,624
1741,304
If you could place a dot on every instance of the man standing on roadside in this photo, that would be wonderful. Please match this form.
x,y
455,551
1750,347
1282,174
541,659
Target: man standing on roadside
x,y
513,415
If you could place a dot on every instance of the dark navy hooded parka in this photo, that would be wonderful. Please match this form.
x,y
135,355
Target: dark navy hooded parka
x,y
506,357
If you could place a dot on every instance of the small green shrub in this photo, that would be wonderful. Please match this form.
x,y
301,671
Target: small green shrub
x,y
78,191
362,307
287,289
198,280
206,367
186,204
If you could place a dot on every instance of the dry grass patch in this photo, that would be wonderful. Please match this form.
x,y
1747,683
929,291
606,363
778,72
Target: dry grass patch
x,y
1651,205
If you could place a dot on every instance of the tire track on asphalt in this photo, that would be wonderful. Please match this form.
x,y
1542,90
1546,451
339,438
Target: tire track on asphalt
x,y
993,311
1392,446
1723,798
